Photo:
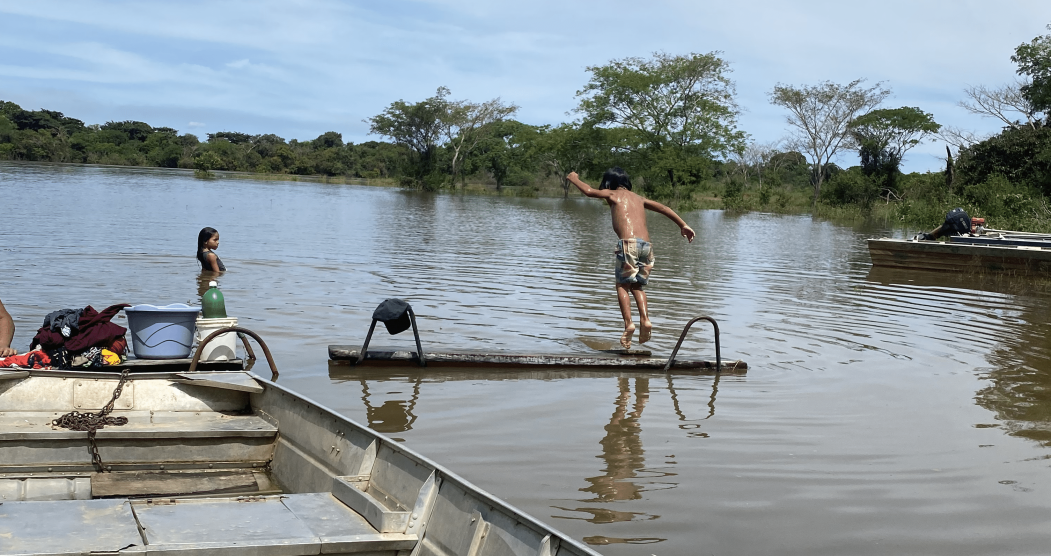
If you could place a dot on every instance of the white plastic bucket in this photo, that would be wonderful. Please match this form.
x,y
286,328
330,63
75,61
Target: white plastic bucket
x,y
222,347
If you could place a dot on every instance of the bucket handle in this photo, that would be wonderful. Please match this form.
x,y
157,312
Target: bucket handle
x,y
240,332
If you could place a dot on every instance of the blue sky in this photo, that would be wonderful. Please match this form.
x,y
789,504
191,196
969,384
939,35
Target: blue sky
x,y
301,68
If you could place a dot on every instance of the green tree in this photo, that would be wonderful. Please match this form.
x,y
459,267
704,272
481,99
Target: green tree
x,y
820,115
884,136
418,126
1034,61
680,110
465,127
568,148
509,152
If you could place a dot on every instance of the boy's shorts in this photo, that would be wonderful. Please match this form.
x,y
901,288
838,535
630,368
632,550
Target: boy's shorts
x,y
634,261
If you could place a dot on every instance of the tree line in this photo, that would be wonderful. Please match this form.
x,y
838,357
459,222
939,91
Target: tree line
x,y
669,120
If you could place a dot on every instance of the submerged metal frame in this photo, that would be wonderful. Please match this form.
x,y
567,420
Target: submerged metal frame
x,y
718,354
415,332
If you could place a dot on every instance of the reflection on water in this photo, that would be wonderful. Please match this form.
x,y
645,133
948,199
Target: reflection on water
x,y
203,279
391,415
884,411
622,450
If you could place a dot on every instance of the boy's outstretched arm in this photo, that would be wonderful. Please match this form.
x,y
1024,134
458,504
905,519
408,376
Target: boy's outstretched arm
x,y
686,231
585,188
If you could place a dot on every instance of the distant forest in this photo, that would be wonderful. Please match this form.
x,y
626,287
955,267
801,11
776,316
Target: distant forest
x,y
669,120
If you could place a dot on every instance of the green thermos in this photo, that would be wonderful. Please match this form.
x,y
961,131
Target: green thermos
x,y
213,306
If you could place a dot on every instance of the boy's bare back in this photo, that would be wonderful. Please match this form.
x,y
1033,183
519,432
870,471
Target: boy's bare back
x,y
629,211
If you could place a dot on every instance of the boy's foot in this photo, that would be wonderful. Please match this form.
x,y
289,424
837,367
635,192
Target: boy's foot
x,y
645,331
625,338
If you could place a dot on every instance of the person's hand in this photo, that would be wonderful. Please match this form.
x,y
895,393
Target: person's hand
x,y
8,351
688,233
573,176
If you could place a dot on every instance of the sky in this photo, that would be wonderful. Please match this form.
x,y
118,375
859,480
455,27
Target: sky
x,y
299,68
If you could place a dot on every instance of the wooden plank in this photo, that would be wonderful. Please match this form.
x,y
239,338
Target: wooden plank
x,y
520,360
174,483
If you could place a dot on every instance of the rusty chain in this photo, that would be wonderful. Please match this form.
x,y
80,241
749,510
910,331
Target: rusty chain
x,y
91,422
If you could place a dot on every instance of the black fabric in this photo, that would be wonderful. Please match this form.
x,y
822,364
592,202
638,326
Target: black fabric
x,y
55,321
394,314
957,222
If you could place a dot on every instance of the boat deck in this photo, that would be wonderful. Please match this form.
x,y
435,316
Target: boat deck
x,y
312,523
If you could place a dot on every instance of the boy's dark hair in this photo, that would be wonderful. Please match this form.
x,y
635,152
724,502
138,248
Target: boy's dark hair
x,y
615,177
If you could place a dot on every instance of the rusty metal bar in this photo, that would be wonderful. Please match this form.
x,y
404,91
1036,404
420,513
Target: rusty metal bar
x,y
239,330
718,354
248,346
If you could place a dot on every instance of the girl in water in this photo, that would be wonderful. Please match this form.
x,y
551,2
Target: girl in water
x,y
207,243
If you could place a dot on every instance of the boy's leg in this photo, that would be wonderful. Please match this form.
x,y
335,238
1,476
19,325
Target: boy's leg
x,y
645,326
624,299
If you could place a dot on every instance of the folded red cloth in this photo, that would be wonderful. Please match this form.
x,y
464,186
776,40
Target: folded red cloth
x,y
33,360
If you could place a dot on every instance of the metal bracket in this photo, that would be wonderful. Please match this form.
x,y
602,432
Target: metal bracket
x,y
415,332
718,355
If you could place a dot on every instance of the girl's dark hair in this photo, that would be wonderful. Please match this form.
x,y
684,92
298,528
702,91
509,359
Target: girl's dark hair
x,y
615,177
202,238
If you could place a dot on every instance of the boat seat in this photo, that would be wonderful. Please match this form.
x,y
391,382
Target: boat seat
x,y
292,524
141,424
28,439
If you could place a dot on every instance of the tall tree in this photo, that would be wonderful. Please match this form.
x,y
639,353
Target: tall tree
x,y
1004,103
568,148
418,126
821,114
1034,61
895,130
680,109
465,127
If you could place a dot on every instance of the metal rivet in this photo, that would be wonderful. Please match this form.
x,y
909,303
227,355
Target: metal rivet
x,y
411,523
414,516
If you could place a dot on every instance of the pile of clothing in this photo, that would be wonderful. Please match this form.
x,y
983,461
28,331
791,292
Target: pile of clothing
x,y
81,338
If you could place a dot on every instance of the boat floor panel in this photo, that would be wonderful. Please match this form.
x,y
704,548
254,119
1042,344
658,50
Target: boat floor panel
x,y
68,527
285,524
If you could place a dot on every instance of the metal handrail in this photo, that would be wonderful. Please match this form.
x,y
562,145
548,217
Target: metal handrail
x,y
240,331
718,354
415,333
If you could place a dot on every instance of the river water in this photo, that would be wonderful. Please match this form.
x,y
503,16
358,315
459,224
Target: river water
x,y
883,412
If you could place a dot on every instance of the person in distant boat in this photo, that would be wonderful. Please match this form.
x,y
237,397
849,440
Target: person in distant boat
x,y
207,243
634,251
957,223
7,332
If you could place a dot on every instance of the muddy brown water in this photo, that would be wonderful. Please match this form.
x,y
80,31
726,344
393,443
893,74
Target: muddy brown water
x,y
883,412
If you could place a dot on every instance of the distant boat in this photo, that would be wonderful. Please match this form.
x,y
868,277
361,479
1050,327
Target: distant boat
x,y
1018,253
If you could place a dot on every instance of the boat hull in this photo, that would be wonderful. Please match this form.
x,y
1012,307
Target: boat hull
x,y
960,257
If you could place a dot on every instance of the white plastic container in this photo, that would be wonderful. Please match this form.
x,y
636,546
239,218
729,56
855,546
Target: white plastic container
x,y
221,348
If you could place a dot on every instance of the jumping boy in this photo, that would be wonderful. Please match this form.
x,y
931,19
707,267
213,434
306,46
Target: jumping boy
x,y
634,252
